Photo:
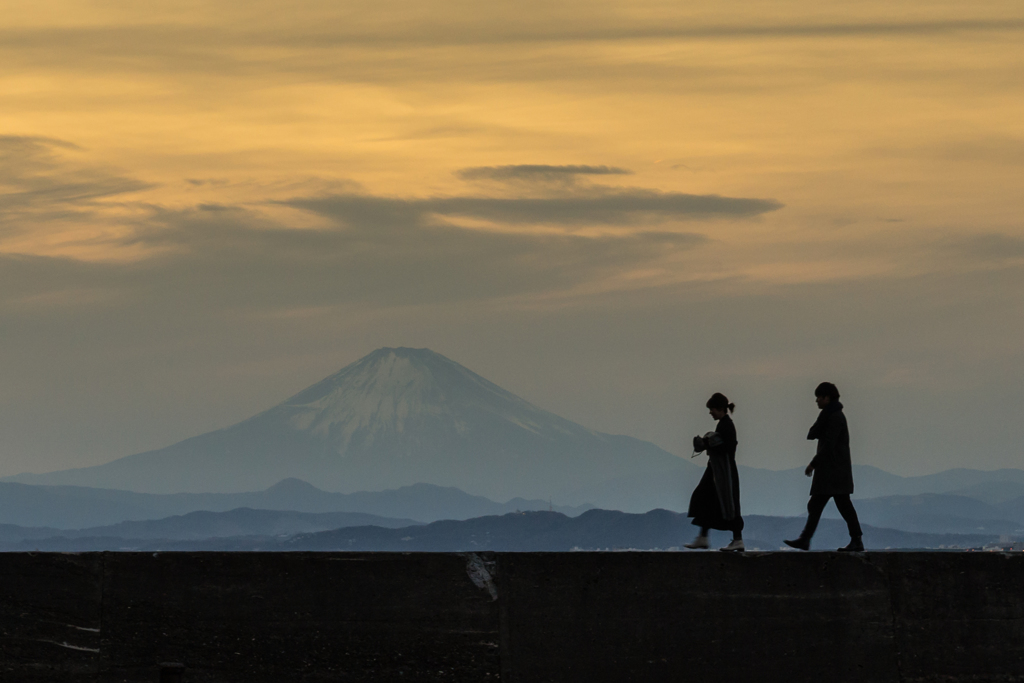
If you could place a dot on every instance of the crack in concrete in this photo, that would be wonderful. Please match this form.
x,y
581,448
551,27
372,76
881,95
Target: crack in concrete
x,y
67,645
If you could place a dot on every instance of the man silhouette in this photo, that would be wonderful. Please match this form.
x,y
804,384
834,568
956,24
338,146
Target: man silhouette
x,y
832,470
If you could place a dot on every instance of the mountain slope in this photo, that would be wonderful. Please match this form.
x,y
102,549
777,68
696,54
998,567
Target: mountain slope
x,y
394,418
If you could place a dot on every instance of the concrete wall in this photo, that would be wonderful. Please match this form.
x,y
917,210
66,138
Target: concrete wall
x,y
513,616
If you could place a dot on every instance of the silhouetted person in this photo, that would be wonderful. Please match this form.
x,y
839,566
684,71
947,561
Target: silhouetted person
x,y
832,469
715,503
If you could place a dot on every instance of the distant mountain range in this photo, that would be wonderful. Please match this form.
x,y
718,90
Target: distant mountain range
x,y
785,492
366,521
943,513
524,531
206,525
78,507
606,530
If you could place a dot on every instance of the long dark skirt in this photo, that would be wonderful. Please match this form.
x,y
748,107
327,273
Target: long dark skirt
x,y
705,506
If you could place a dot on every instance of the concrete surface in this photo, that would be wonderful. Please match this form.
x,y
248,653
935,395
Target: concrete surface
x,y
524,617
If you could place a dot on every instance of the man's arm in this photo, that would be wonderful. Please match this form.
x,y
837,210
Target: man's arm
x,y
827,440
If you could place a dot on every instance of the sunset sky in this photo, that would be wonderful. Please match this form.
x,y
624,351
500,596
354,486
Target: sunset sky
x,y
612,209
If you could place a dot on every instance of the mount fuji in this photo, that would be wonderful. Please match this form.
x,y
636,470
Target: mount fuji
x,y
396,417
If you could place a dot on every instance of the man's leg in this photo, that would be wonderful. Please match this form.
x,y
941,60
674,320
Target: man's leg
x,y
815,506
849,514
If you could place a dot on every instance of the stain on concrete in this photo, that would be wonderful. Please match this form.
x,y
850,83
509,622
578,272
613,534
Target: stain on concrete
x,y
480,575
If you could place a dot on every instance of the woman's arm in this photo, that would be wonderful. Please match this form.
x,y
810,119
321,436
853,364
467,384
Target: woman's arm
x,y
727,431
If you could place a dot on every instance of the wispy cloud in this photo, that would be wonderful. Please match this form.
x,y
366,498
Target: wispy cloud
x,y
536,171
990,247
367,248
37,184
607,206
370,46
474,28
219,261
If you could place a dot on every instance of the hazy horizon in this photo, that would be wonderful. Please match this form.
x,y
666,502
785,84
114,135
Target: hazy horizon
x,y
390,349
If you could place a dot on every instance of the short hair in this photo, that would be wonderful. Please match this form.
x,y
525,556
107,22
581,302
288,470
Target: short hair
x,y
720,402
827,389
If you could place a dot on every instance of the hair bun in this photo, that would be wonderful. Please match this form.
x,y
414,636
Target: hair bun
x,y
718,401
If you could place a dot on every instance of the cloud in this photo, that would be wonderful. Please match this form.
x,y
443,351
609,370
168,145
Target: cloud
x,y
992,247
1003,149
225,256
206,182
606,206
38,183
380,251
385,253
373,248
606,28
368,45
478,25
532,172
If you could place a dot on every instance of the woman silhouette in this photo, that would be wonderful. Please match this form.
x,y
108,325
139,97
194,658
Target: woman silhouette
x,y
715,503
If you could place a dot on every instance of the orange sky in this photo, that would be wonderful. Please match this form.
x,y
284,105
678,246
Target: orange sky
x,y
153,147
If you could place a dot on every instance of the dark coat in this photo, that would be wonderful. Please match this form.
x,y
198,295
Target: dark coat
x,y
715,502
833,471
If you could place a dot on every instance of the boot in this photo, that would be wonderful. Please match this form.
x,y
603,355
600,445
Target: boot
x,y
856,545
735,546
799,543
699,543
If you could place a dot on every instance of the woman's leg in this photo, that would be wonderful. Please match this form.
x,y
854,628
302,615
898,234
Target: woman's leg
x,y
701,541
737,529
735,525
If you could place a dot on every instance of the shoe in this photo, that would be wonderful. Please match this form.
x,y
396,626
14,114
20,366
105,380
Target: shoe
x,y
735,546
856,545
799,543
699,543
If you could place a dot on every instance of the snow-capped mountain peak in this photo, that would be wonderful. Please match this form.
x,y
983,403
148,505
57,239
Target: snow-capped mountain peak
x,y
395,388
